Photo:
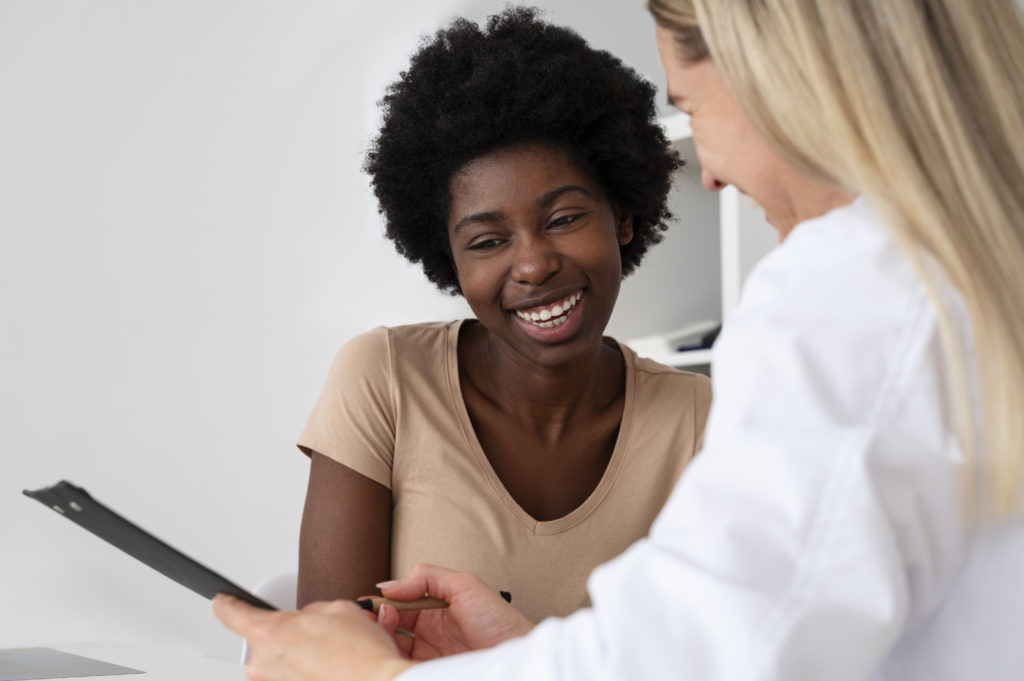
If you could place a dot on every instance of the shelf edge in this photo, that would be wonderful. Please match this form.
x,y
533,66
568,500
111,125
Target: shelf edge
x,y
680,360
676,126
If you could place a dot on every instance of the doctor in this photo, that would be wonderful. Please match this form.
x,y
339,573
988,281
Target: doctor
x,y
855,513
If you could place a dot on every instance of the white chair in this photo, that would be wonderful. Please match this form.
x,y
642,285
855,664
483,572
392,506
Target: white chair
x,y
280,592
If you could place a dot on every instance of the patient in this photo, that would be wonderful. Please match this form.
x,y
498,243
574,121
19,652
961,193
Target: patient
x,y
525,171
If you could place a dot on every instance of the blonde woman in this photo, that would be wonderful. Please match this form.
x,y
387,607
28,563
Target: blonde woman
x,y
856,511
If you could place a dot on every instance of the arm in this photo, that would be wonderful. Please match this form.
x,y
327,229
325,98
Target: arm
x,y
344,542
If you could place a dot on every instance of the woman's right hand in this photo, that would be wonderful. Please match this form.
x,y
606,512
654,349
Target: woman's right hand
x,y
476,617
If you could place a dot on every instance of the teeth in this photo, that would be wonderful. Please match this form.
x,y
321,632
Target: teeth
x,y
550,317
553,323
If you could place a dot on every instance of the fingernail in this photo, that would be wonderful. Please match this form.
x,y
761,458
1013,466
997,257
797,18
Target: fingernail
x,y
388,584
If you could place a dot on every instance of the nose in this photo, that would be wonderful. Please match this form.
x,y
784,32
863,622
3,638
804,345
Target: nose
x,y
536,261
710,182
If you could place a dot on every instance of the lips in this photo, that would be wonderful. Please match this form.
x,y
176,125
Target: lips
x,y
554,322
550,315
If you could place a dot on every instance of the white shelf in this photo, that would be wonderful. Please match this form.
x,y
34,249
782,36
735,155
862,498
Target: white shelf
x,y
677,126
681,360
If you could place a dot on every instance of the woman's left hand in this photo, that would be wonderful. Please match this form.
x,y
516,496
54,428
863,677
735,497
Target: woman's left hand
x,y
330,641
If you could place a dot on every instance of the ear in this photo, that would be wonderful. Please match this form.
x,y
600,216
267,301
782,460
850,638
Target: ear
x,y
624,230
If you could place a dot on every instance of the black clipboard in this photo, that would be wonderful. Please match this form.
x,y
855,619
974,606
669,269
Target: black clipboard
x,y
75,504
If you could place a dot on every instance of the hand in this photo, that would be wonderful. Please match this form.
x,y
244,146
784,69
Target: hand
x,y
476,617
323,642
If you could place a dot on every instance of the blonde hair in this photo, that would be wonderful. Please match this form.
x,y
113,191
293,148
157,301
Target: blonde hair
x,y
920,107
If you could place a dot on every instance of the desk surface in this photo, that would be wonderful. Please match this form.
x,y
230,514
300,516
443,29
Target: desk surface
x,y
157,665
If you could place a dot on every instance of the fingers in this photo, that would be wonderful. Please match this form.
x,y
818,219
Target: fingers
x,y
239,616
430,579
387,618
390,620
417,583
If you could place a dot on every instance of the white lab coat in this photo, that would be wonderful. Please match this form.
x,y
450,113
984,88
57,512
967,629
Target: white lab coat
x,y
822,533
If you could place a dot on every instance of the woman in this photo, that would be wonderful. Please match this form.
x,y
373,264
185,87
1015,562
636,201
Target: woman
x,y
525,171
862,464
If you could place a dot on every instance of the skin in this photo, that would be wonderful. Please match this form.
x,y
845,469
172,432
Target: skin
x,y
730,149
348,645
526,227
476,618
355,512
324,641
338,641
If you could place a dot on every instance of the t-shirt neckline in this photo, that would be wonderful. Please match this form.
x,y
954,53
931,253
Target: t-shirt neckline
x,y
611,471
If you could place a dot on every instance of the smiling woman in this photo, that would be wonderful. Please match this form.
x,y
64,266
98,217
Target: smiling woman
x,y
525,171
537,235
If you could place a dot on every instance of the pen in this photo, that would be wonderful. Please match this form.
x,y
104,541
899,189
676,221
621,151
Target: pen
x,y
373,603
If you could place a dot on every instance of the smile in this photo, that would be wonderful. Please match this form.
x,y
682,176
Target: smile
x,y
550,316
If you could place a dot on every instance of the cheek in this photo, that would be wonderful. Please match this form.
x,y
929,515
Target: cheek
x,y
767,174
708,152
603,254
480,283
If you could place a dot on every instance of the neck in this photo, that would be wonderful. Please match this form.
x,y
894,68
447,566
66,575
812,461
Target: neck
x,y
817,202
545,396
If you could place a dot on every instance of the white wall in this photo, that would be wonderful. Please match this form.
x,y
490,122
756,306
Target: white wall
x,y
185,240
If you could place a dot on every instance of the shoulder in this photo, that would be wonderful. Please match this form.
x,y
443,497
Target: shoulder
x,y
845,256
829,319
369,344
407,341
839,276
382,353
656,382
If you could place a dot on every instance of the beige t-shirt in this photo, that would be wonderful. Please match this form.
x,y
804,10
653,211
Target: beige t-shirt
x,y
392,409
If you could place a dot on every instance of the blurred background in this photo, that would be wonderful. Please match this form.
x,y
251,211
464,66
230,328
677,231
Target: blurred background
x,y
186,239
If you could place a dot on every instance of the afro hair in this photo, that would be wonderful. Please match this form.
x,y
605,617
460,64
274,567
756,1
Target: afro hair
x,y
470,91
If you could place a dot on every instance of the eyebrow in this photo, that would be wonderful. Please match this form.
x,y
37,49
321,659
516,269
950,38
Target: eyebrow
x,y
552,196
542,202
487,216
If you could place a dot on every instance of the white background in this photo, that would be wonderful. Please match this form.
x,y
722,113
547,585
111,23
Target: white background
x,y
185,240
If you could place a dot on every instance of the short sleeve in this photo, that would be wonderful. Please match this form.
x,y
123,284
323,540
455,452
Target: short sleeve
x,y
353,420
702,396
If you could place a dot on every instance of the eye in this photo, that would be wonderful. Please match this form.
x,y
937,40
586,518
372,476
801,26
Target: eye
x,y
565,220
485,244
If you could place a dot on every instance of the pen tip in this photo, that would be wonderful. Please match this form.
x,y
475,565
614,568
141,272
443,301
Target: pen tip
x,y
365,604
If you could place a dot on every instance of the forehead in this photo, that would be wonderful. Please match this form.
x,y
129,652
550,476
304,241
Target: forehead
x,y
686,79
520,172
